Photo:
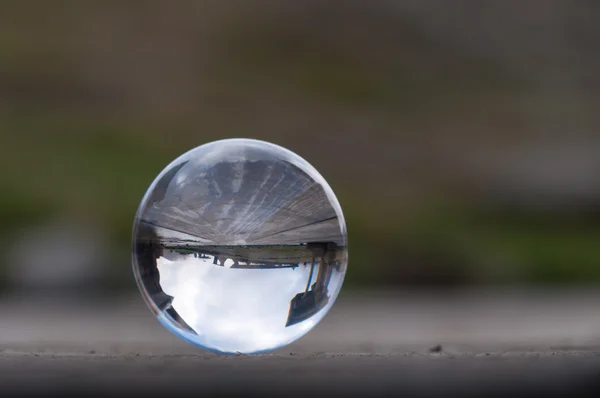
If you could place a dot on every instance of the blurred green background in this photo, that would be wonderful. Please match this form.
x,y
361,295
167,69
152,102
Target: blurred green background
x,y
461,137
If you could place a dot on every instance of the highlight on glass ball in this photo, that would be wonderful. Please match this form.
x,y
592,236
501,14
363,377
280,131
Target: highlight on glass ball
x,y
239,246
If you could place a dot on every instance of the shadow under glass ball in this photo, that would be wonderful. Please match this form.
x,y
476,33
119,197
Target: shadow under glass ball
x,y
239,246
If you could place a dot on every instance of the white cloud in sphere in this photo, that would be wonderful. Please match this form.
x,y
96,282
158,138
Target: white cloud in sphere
x,y
233,309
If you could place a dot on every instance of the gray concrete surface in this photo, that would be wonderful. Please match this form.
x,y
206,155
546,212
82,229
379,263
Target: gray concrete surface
x,y
492,341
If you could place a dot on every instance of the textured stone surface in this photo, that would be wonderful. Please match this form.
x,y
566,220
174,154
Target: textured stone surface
x,y
413,343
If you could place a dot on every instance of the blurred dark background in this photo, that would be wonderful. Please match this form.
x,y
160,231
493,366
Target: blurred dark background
x,y
461,137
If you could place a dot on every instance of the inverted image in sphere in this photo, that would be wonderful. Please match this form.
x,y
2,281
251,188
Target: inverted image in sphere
x,y
239,246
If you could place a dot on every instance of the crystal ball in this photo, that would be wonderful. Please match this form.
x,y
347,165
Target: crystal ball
x,y
239,246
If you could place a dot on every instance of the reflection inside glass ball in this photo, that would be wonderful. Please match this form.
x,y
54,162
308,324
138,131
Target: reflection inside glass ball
x,y
239,247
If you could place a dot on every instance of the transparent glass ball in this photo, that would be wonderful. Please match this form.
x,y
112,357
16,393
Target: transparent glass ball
x,y
239,246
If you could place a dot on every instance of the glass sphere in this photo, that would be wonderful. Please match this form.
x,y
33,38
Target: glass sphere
x,y
239,246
